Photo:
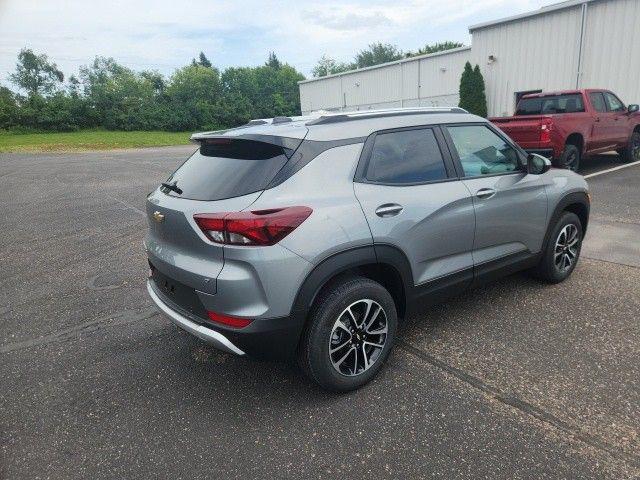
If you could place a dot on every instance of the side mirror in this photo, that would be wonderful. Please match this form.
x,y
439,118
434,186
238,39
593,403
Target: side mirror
x,y
633,108
537,164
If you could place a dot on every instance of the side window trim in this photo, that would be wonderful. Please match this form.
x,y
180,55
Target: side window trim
x,y
456,158
367,150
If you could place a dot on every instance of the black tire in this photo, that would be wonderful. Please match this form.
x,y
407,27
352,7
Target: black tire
x,y
632,151
570,158
549,270
314,350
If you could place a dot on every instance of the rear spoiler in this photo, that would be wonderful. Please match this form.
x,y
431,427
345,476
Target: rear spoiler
x,y
289,145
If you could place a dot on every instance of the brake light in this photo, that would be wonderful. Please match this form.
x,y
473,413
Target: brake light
x,y
228,320
257,228
545,129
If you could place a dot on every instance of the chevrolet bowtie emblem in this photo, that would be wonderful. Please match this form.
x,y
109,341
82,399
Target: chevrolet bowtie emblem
x,y
158,217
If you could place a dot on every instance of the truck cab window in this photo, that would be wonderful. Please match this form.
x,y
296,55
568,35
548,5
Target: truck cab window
x,y
597,100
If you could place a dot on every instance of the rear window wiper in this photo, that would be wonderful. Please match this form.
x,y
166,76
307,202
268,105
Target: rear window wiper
x,y
172,186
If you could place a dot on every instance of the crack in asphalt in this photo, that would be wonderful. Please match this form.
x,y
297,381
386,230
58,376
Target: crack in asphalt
x,y
521,405
119,318
594,259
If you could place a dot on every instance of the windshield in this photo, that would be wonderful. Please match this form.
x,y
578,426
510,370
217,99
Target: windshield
x,y
569,103
225,168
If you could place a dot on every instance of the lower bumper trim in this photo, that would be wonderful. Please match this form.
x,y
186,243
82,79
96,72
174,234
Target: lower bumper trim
x,y
208,335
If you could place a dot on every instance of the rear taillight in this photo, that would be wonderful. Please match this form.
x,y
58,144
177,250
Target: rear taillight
x,y
228,320
545,129
257,228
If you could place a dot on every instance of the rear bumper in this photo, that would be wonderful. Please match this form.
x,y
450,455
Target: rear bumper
x,y
207,334
270,338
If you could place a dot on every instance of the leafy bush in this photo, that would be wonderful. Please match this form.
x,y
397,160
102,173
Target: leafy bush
x,y
109,95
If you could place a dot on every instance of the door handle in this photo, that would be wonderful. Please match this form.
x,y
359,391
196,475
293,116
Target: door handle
x,y
389,210
486,192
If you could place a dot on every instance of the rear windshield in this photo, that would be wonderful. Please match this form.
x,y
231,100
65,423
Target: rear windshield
x,y
227,168
552,104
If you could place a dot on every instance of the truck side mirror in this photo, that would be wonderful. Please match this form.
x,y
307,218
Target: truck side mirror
x,y
537,164
633,108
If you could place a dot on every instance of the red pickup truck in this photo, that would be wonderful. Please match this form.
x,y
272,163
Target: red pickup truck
x,y
568,125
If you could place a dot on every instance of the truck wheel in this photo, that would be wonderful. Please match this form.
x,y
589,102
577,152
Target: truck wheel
x,y
632,152
570,158
350,331
563,250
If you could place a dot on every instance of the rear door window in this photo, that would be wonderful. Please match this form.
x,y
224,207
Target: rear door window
x,y
406,157
569,103
225,168
597,101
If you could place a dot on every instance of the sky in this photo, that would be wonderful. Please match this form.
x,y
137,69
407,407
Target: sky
x,y
166,34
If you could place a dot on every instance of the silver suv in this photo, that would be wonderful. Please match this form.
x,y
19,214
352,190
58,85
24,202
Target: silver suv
x,y
314,236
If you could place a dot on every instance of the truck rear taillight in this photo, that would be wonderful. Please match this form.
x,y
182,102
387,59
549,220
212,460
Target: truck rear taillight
x,y
545,129
256,228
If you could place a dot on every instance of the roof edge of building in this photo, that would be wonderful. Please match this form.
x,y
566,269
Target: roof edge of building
x,y
534,13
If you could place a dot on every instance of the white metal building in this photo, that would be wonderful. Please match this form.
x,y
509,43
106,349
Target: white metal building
x,y
573,44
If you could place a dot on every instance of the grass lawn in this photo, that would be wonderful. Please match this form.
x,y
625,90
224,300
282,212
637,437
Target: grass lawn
x,y
87,140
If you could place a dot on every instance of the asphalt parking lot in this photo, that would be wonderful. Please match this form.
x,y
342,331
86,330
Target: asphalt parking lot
x,y
514,380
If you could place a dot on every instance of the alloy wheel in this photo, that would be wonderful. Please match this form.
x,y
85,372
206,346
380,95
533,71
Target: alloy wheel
x,y
566,250
358,337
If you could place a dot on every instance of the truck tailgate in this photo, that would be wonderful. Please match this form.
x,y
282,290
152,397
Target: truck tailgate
x,y
522,129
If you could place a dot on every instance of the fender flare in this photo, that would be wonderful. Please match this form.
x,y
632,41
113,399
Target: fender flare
x,y
378,255
569,199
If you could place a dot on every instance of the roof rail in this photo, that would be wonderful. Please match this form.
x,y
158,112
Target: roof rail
x,y
277,120
346,117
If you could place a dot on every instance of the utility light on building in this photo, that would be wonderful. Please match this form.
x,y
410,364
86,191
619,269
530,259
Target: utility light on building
x,y
491,59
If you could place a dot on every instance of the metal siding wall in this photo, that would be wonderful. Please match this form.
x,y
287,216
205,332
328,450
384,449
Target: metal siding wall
x,y
534,53
419,82
611,57
435,82
410,82
373,86
325,94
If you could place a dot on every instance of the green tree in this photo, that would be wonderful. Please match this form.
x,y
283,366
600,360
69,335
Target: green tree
x,y
192,95
328,66
107,94
472,91
273,61
481,96
436,47
377,53
270,91
121,98
203,61
156,79
8,108
36,74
